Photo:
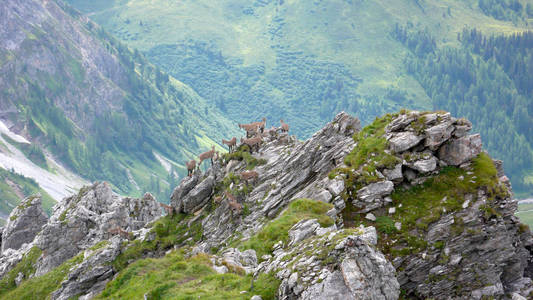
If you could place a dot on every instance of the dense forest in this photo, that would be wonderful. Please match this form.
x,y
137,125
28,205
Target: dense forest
x,y
486,81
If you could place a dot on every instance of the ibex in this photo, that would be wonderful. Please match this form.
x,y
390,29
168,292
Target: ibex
x,y
191,165
260,125
206,155
253,142
247,175
169,210
231,143
118,230
251,129
284,126
235,206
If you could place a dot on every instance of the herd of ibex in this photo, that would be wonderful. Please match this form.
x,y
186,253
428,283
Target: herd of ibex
x,y
255,132
254,137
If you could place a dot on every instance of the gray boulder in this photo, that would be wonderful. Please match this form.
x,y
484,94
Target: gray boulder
x,y
404,141
438,134
196,198
394,174
302,230
461,150
425,165
23,224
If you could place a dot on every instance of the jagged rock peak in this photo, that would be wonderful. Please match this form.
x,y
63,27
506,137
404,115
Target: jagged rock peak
x,y
24,222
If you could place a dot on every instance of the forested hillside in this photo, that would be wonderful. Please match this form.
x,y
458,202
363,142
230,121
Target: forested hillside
x,y
303,61
83,99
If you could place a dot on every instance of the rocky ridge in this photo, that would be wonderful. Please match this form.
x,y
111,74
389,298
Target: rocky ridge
x,y
410,202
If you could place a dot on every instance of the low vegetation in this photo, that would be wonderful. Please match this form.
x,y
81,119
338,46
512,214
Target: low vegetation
x,y
168,231
176,276
278,229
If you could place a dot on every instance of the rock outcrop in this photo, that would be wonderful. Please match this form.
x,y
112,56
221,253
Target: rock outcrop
x,y
332,264
410,203
23,224
93,217
470,226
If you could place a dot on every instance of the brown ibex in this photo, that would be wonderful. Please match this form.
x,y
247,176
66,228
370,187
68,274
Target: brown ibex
x,y
250,129
169,210
260,125
284,126
231,143
206,155
191,165
118,230
252,142
247,175
235,206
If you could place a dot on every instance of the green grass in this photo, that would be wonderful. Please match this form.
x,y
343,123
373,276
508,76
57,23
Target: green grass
x,y
176,277
169,231
277,229
25,266
243,154
41,287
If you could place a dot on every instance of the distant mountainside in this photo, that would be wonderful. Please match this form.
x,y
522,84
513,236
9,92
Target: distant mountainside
x,y
76,105
305,60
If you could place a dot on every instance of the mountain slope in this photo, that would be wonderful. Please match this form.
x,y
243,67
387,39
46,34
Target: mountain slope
x,y
80,97
304,60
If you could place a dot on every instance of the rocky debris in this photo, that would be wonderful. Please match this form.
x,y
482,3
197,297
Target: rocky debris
x,y
394,174
87,279
24,222
333,265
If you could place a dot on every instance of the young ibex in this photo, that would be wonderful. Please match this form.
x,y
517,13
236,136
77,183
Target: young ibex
x,y
231,143
169,210
191,165
252,142
118,230
206,155
247,175
284,126
235,206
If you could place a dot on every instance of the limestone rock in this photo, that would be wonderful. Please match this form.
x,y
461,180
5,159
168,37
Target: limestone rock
x,y
438,134
394,174
425,165
404,141
461,150
302,230
23,224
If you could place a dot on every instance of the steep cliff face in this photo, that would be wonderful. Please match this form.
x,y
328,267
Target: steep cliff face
x,y
73,96
408,206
